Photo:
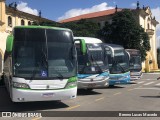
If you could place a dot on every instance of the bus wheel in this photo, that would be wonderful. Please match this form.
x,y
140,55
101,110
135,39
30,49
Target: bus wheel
x,y
89,89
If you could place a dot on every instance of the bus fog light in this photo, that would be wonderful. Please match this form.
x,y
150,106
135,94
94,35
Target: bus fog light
x,y
71,84
20,85
20,99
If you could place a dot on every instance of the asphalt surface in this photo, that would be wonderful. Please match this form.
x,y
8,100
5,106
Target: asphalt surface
x,y
141,95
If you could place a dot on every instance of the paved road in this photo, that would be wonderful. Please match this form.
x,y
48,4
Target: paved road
x,y
142,95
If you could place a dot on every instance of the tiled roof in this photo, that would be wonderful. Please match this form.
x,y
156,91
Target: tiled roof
x,y
91,15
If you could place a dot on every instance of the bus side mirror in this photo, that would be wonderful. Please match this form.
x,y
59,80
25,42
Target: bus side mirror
x,y
83,46
82,43
9,43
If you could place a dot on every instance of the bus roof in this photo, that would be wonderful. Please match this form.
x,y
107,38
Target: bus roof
x,y
114,46
89,39
132,50
42,27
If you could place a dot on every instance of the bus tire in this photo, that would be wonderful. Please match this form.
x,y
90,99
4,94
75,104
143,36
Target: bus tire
x,y
89,89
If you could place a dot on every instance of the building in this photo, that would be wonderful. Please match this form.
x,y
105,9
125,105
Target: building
x,y
10,17
143,17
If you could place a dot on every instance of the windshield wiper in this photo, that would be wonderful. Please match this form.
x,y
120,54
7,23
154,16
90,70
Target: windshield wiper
x,y
58,75
116,63
44,63
34,71
100,70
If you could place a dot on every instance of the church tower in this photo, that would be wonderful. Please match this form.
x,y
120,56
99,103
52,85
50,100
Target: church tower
x,y
2,15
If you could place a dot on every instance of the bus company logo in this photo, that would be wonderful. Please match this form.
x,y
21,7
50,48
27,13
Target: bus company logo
x,y
6,114
91,80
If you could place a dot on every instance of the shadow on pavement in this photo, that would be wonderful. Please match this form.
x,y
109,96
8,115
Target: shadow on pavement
x,y
8,106
133,82
82,92
112,87
150,96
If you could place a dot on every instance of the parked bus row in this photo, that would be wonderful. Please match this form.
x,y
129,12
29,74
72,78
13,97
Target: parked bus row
x,y
48,63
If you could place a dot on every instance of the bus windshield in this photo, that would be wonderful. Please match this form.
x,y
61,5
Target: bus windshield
x,y
120,62
135,62
43,53
94,61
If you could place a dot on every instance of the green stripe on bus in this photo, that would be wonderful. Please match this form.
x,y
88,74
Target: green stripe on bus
x,y
42,27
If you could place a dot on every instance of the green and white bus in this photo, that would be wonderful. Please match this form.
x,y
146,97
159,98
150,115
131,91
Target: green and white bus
x,y
41,64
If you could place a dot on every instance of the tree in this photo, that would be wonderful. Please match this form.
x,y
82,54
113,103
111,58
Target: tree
x,y
83,28
55,24
126,31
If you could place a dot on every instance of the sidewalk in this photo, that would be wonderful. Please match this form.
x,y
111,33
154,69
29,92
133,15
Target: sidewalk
x,y
155,71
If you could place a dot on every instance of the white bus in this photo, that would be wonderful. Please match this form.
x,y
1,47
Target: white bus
x,y
93,69
40,64
118,64
135,63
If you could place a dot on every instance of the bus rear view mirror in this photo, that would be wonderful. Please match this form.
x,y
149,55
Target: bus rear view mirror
x,y
9,43
82,45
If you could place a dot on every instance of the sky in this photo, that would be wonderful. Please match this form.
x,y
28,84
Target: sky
x,y
61,9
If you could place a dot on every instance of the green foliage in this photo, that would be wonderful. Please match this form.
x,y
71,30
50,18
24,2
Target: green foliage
x,y
126,31
83,28
54,24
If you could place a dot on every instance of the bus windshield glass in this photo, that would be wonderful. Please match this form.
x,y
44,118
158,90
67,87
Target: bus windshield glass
x,y
43,53
94,58
135,62
120,62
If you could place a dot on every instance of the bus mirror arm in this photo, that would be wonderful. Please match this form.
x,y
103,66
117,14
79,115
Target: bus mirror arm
x,y
9,43
82,46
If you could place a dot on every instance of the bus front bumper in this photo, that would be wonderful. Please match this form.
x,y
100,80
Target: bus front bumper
x,y
93,84
136,75
22,95
116,82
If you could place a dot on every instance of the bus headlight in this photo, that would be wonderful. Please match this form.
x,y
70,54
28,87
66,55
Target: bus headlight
x,y
124,77
71,84
20,85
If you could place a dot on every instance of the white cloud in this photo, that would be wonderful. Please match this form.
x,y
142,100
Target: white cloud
x,y
114,2
23,6
156,13
80,11
134,5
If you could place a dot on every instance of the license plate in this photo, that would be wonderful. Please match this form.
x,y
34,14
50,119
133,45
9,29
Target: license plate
x,y
91,85
48,94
